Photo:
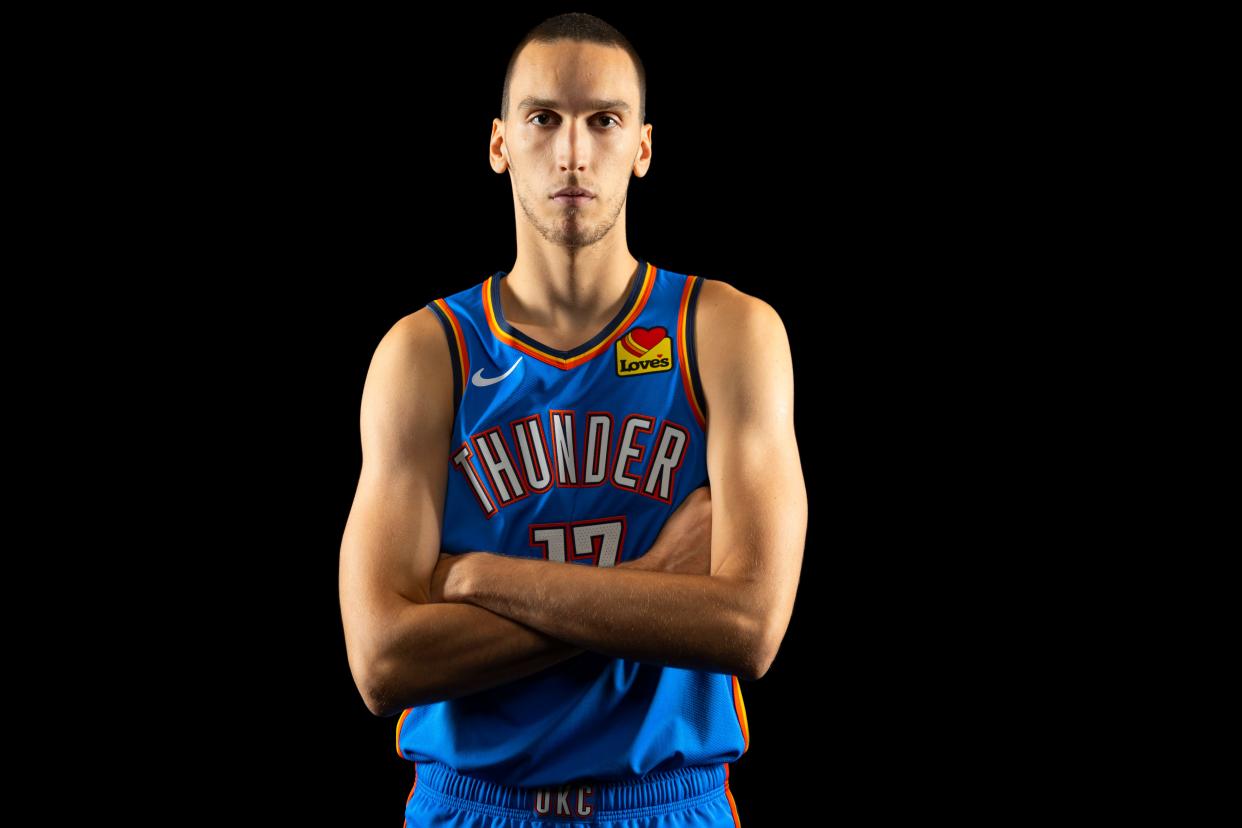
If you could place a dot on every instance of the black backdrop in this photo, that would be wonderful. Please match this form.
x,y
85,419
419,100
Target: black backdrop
x,y
334,178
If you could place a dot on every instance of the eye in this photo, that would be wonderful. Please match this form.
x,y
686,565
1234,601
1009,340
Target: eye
x,y
549,115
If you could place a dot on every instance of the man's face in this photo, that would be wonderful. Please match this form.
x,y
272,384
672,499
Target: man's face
x,y
572,122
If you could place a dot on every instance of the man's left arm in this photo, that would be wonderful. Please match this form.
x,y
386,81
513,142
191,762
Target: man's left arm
x,y
732,621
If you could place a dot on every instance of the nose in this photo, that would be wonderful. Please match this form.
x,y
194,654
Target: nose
x,y
571,150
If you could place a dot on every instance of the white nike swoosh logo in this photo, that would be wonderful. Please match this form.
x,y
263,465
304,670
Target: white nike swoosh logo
x,y
477,379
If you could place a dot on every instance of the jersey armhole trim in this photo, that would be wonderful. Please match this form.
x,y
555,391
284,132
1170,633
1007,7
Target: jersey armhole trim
x,y
457,350
739,707
400,722
690,364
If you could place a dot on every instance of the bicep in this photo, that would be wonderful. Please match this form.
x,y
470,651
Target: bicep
x,y
759,503
391,541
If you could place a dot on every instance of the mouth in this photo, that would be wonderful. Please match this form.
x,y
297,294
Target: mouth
x,y
573,195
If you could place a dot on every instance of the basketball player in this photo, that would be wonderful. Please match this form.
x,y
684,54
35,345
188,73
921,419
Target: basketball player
x,y
533,574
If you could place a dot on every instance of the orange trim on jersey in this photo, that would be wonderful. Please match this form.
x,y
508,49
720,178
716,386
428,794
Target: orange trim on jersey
x,y
729,793
685,361
571,362
739,707
463,360
405,822
401,721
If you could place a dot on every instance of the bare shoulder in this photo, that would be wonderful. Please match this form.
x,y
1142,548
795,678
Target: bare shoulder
x,y
745,364
728,319
409,384
414,349
411,336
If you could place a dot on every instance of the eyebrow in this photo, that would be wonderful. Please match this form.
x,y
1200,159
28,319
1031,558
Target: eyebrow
x,y
531,102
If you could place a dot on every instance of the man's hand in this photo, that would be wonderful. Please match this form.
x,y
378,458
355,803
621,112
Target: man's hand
x,y
685,541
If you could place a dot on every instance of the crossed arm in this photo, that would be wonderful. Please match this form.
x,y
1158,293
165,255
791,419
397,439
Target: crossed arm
x,y
734,619
491,618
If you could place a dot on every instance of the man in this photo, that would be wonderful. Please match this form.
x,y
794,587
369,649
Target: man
x,y
574,651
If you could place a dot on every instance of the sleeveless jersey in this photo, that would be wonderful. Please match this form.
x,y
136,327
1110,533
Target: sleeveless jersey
x,y
576,456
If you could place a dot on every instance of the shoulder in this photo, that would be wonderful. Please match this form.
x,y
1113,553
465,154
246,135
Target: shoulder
x,y
415,339
742,352
743,356
410,366
728,319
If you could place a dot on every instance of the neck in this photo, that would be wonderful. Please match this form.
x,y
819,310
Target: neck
x,y
567,290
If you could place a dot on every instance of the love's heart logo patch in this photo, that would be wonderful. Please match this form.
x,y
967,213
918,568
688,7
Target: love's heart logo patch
x,y
644,351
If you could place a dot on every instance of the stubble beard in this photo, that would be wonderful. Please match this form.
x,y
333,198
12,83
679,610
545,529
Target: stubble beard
x,y
569,229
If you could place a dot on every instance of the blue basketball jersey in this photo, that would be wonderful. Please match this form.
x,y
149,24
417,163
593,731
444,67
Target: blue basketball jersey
x,y
577,456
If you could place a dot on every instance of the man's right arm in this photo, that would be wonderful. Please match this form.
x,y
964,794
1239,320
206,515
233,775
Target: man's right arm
x,y
404,650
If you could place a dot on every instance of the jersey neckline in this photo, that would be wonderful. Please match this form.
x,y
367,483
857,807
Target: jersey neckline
x,y
640,289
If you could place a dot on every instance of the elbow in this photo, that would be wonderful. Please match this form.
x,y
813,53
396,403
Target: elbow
x,y
377,692
372,690
382,709
755,667
365,669
762,644
377,703
388,692
380,702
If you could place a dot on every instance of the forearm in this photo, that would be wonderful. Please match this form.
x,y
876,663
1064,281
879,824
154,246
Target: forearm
x,y
701,622
439,651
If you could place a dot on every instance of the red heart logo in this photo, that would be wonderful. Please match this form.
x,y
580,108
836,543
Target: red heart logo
x,y
647,338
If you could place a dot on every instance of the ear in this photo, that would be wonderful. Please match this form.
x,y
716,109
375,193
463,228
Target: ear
x,y
498,137
642,158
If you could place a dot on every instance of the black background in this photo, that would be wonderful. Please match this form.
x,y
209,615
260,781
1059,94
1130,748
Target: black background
x,y
315,179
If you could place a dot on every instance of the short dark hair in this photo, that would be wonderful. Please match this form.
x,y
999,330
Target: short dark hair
x,y
583,28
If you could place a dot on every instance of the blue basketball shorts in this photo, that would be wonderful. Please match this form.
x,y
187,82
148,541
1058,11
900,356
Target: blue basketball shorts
x,y
692,797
